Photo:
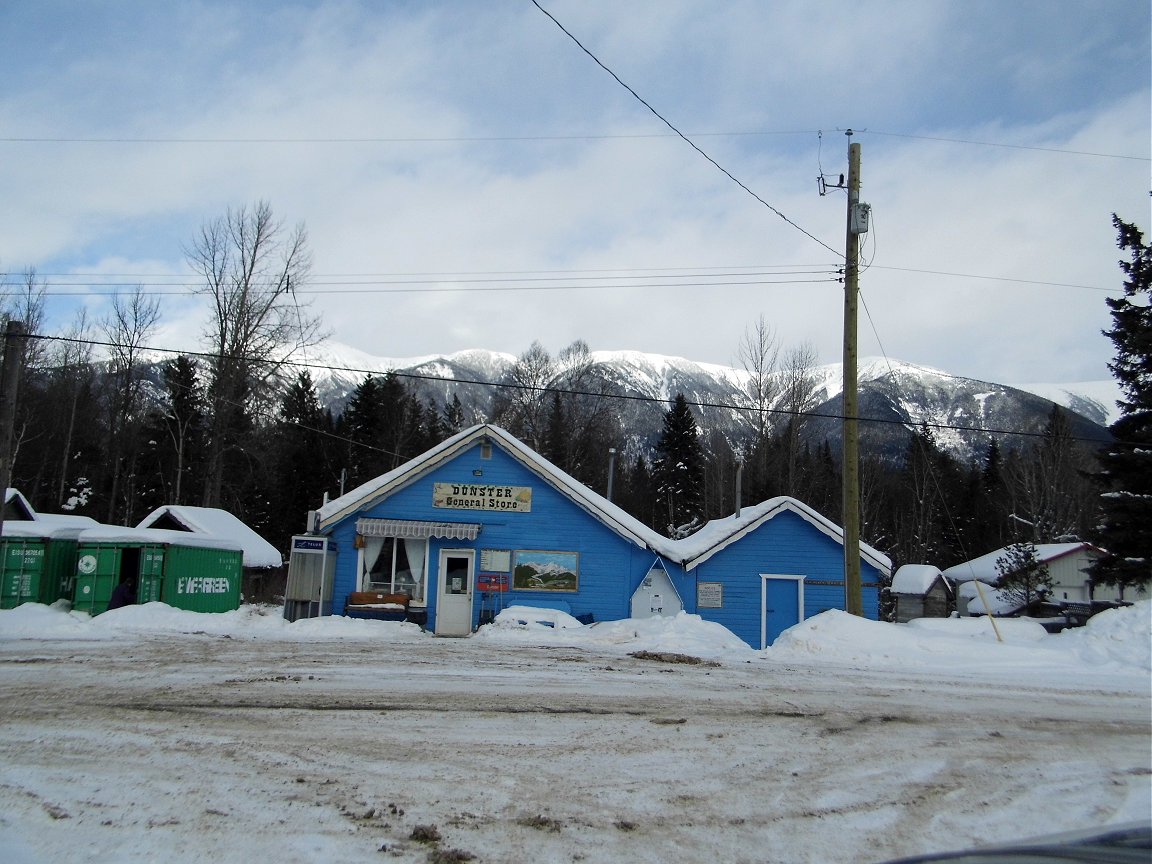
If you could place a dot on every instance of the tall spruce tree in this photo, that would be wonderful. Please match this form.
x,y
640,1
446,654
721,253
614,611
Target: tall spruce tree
x,y
679,469
1125,531
302,467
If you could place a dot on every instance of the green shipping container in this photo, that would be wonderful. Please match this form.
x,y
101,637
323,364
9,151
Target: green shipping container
x,y
202,579
199,578
35,570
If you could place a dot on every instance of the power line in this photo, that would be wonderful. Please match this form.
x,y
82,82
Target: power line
x,y
688,140
191,289
496,139
812,415
130,280
454,139
1006,146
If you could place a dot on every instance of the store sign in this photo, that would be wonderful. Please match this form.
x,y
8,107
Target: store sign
x,y
478,496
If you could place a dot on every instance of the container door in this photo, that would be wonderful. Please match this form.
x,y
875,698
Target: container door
x,y
454,601
22,580
782,606
151,578
97,574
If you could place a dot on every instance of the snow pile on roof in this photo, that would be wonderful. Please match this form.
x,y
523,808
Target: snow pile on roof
x,y
969,602
219,524
66,520
45,530
915,579
120,534
682,633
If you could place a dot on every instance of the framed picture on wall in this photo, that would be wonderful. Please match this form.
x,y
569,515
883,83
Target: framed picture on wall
x,y
534,570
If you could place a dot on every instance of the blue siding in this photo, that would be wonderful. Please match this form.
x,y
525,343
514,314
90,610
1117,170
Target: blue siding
x,y
784,545
610,566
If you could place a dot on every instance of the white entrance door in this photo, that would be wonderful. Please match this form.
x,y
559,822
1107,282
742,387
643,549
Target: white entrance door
x,y
454,601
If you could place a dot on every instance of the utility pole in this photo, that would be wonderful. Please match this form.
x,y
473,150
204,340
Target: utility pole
x,y
9,378
857,224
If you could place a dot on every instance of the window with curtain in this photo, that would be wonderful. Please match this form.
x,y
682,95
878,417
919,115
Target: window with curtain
x,y
395,565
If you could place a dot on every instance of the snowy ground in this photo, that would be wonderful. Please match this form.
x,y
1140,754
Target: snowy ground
x,y
151,734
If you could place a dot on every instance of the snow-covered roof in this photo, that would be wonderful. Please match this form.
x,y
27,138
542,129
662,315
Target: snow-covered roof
x,y
915,579
21,504
43,530
984,567
169,537
216,524
968,599
66,520
717,534
380,487
689,551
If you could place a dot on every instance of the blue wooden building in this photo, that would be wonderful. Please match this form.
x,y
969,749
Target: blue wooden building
x,y
481,522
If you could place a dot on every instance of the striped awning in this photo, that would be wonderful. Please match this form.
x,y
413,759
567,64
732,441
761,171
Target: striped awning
x,y
417,530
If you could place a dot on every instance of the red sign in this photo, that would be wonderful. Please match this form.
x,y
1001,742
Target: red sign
x,y
491,581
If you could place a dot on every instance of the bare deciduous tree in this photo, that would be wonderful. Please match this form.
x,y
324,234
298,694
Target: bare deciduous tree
x,y
250,267
127,329
798,391
759,353
524,404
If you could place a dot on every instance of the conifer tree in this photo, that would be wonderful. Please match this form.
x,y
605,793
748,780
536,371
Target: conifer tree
x,y
679,469
1125,531
301,467
1024,578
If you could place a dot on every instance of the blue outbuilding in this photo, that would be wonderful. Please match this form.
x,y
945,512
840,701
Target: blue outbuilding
x,y
481,522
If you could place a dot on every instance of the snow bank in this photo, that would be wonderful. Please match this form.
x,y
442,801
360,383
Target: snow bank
x,y
1115,643
1121,636
56,622
683,633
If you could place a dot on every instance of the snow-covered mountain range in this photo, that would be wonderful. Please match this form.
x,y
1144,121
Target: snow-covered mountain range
x,y
896,395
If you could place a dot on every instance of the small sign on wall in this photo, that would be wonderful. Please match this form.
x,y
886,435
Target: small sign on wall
x,y
491,581
496,560
710,595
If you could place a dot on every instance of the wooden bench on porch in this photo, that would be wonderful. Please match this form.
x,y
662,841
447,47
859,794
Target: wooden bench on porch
x,y
377,605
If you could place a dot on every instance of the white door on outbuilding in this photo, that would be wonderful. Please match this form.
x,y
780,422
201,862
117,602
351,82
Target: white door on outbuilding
x,y
656,595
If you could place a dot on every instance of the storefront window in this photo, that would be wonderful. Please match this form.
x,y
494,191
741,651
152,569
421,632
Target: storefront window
x,y
395,565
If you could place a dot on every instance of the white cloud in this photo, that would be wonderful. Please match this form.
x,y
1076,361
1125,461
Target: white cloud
x,y
455,208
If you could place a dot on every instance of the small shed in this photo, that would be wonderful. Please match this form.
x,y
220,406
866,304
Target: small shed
x,y
921,591
183,570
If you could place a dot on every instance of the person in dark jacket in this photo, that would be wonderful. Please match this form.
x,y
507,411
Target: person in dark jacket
x,y
123,594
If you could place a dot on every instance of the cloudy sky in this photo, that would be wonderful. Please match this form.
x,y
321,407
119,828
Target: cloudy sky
x,y
470,178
